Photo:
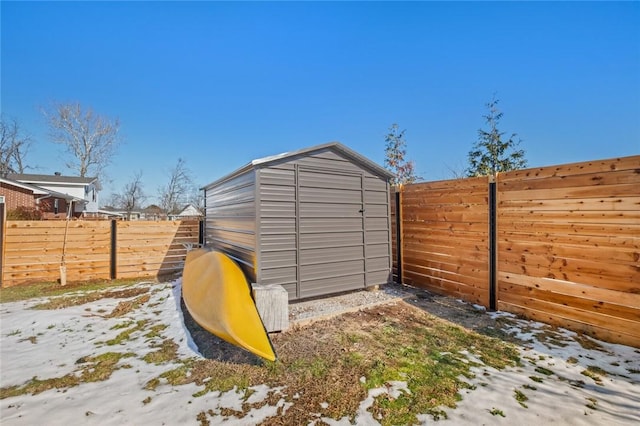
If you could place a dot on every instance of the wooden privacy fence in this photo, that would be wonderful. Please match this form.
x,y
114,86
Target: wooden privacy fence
x,y
557,244
445,237
33,250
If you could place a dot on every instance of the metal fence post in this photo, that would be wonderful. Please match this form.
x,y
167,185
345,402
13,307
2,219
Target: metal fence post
x,y
399,234
114,248
493,244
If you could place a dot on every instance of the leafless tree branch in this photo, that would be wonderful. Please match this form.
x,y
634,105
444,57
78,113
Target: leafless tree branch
x,y
14,145
177,189
89,138
132,195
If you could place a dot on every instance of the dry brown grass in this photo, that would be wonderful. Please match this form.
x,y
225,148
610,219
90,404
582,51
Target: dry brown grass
x,y
324,369
320,367
62,302
127,306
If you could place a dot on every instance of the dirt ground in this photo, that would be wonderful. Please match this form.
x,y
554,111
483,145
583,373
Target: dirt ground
x,y
307,312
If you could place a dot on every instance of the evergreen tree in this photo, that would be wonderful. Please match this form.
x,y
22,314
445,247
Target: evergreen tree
x,y
492,153
395,153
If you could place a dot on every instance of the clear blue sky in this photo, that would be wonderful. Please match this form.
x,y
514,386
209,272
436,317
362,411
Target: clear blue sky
x,y
220,84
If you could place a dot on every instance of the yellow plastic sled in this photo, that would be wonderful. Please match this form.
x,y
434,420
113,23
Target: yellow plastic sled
x,y
218,298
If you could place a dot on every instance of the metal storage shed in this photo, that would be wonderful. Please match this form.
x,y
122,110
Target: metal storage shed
x,y
315,221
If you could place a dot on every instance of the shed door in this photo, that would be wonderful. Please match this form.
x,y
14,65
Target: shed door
x,y
330,232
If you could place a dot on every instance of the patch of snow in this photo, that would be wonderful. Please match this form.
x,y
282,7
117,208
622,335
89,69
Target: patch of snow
x,y
63,336
47,343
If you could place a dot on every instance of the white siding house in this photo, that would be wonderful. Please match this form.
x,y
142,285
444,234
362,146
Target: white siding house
x,y
80,188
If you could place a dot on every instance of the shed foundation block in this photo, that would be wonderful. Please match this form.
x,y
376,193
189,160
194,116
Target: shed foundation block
x,y
272,302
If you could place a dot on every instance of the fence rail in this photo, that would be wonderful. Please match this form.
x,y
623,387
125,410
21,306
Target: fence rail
x,y
566,246
33,250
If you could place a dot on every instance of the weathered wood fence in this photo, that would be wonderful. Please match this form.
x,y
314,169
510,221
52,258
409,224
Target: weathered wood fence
x,y
33,250
557,244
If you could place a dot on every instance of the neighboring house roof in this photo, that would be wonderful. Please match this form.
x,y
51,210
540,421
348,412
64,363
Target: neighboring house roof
x,y
114,210
36,178
56,183
110,211
40,191
152,209
189,210
35,189
333,146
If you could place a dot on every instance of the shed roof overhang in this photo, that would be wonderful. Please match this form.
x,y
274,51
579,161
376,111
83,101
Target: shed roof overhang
x,y
333,146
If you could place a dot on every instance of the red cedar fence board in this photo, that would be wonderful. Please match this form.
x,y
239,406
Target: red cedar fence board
x,y
568,244
33,249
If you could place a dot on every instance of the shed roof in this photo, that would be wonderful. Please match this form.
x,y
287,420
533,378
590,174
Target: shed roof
x,y
333,146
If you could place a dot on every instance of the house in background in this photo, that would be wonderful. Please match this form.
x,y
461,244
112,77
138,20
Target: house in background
x,y
39,201
153,212
17,194
110,212
51,194
188,212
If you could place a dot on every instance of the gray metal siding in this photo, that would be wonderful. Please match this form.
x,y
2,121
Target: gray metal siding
x,y
328,159
230,223
377,230
277,257
314,237
330,203
316,222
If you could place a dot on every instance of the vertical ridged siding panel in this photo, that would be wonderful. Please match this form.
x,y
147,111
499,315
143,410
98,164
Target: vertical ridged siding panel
x,y
277,220
331,160
330,211
378,230
230,224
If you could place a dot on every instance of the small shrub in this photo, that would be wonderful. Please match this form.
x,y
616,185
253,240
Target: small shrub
x,y
24,213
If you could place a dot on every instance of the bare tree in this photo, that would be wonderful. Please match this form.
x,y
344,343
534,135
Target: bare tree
x,y
132,195
14,145
91,139
176,191
457,172
196,197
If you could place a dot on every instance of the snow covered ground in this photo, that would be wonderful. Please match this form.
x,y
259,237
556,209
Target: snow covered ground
x,y
550,387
